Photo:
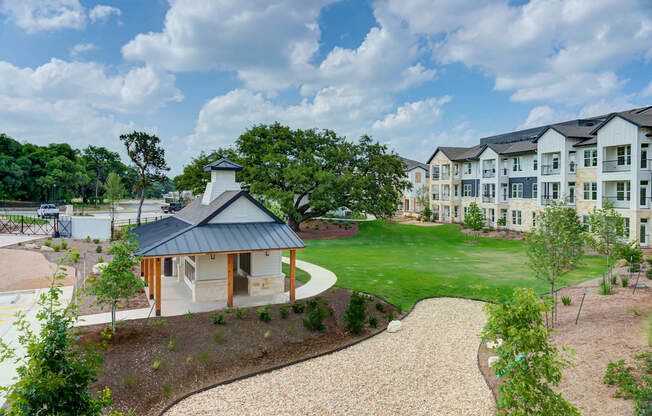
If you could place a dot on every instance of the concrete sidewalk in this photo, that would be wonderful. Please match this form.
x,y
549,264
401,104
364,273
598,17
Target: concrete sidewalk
x,y
11,239
177,297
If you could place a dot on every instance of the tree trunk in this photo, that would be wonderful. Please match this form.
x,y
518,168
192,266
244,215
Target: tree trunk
x,y
97,185
113,316
554,304
140,205
294,224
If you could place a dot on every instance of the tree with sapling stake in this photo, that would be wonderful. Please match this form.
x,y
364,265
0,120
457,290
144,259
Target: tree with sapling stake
x,y
606,235
145,152
555,246
117,280
114,191
474,219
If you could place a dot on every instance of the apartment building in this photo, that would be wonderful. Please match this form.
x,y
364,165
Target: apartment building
x,y
581,162
419,176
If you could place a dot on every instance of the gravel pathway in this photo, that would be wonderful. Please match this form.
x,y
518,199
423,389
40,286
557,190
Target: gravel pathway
x,y
427,368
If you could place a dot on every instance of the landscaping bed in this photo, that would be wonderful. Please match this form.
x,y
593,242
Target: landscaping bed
x,y
145,370
327,229
610,328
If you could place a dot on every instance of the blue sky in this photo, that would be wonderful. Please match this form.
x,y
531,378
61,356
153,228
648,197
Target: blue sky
x,y
414,74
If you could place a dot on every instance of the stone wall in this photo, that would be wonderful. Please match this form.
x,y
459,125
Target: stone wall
x,y
266,285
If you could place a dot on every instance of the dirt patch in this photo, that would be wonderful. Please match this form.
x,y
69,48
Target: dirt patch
x,y
609,329
326,230
504,234
413,221
22,270
88,257
197,359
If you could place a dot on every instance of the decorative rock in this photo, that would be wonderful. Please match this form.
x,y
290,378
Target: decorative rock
x,y
97,269
492,361
394,326
46,248
31,246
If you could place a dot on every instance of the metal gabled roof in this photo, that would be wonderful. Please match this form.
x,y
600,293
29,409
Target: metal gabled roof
x,y
222,164
228,238
150,234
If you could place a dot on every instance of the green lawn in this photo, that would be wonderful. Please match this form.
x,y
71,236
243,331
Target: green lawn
x,y
405,263
300,274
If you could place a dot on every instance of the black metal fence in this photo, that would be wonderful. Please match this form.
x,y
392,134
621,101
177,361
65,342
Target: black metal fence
x,y
33,225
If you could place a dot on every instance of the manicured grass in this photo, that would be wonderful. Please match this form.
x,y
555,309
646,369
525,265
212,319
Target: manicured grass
x,y
405,263
300,274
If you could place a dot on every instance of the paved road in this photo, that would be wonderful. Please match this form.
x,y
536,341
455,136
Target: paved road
x,y
131,209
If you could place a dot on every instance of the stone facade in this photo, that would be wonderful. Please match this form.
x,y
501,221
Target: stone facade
x,y
265,285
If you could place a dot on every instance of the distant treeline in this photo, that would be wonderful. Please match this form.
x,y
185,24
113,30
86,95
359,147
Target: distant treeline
x,y
29,172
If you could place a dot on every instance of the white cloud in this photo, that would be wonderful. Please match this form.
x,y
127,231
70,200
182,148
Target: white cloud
x,y
80,48
540,49
543,115
140,89
102,12
35,15
647,91
412,115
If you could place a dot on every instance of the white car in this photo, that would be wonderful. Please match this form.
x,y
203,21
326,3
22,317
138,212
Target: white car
x,y
47,211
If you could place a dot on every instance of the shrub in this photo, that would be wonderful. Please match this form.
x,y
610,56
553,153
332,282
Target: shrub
x,y
56,248
158,364
373,322
290,329
218,318
129,381
297,307
172,344
624,280
219,337
263,314
156,322
167,391
284,311
648,273
566,300
189,360
605,289
88,238
390,316
635,311
528,387
240,313
206,356
74,255
190,315
614,279
98,249
100,259
64,245
631,386
380,307
355,314
635,268
315,318
48,243
96,240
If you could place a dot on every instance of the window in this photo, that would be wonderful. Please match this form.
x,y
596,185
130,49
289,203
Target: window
x,y
625,227
590,191
587,158
484,213
555,161
516,217
457,212
644,156
534,218
467,168
517,164
585,222
555,190
517,190
406,205
503,214
189,271
624,155
535,163
535,190
492,215
456,169
456,191
467,189
466,211
622,191
417,177
594,157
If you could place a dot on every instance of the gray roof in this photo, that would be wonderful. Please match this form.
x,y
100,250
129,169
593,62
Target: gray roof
x,y
196,212
587,142
460,153
642,117
411,164
149,234
525,146
222,164
225,238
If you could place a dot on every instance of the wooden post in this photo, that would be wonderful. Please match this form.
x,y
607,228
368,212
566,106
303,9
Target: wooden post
x,y
293,265
150,277
229,300
158,286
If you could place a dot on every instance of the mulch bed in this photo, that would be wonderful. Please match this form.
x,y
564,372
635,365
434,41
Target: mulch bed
x,y
610,328
504,234
197,359
87,249
325,230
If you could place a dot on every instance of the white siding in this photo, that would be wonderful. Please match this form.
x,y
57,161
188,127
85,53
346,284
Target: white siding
x,y
266,265
241,210
207,269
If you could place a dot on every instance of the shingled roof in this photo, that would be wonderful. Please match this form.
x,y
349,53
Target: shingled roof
x,y
411,164
525,146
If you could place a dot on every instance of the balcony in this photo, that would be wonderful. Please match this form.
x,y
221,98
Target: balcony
x,y
619,201
550,169
488,198
615,166
488,173
445,197
547,200
456,198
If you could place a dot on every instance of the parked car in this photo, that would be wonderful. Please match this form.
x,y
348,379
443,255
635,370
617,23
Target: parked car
x,y
47,211
173,207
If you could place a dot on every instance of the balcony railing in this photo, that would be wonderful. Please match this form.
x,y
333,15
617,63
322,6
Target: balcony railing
x,y
456,198
445,197
488,173
619,201
572,167
615,166
503,198
435,176
488,198
550,169
445,176
505,172
547,200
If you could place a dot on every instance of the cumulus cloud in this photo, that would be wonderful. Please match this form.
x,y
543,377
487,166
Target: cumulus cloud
x,y
647,91
36,16
102,12
542,115
80,48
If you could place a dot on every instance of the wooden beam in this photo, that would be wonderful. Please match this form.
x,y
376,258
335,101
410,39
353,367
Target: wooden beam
x,y
229,265
293,266
158,287
150,277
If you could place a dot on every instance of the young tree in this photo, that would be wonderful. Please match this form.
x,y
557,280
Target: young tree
x,y
474,219
311,172
54,375
528,364
98,160
117,280
606,233
421,197
114,192
555,246
145,152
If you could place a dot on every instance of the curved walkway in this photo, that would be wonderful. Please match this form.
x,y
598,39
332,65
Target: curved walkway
x,y
427,368
320,280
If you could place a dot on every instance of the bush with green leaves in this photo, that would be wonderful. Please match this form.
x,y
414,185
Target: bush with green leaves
x,y
54,374
624,280
314,316
633,382
566,300
380,307
63,245
373,322
297,307
614,280
263,314
239,313
98,249
530,366
96,240
474,218
218,318
390,316
605,288
648,273
284,311
355,314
